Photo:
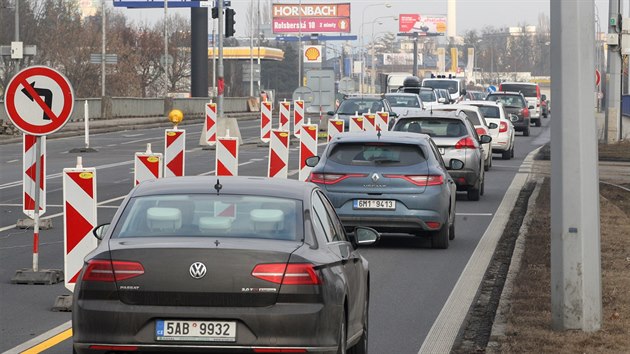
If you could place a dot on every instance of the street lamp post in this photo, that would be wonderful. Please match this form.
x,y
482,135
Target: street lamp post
x,y
373,61
166,61
387,5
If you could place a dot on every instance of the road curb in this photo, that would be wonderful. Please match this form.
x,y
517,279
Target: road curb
x,y
444,331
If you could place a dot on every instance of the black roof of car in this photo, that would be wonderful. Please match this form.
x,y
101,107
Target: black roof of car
x,y
258,186
385,137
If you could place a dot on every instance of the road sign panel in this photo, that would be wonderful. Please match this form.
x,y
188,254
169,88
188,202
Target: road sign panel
x,y
598,77
39,100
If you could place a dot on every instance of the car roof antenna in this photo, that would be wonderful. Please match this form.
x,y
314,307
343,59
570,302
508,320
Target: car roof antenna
x,y
218,186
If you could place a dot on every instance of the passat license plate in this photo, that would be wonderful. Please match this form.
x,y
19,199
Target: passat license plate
x,y
374,204
199,331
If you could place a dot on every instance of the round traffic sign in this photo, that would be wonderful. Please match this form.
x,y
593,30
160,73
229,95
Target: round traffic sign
x,y
598,77
39,100
303,93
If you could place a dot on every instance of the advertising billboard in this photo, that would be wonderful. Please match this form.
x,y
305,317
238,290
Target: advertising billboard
x,y
423,25
311,18
159,4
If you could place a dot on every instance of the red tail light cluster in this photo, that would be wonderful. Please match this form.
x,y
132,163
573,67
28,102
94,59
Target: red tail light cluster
x,y
525,112
420,180
110,271
503,127
433,225
331,178
287,274
481,131
466,143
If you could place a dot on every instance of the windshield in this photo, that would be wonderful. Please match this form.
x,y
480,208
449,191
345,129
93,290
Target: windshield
x,y
434,127
449,85
350,106
490,111
427,96
527,90
373,154
403,101
211,215
508,100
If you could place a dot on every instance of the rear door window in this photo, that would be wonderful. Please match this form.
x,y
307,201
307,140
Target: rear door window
x,y
490,111
473,117
376,154
525,89
434,127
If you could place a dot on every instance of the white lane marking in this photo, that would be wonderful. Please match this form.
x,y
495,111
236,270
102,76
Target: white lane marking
x,y
293,172
474,214
193,150
132,135
12,161
111,145
137,141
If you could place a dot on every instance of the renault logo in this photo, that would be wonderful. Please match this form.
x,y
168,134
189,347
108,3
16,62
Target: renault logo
x,y
375,178
197,270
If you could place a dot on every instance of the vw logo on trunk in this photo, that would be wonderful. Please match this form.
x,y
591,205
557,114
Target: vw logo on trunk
x,y
197,270
375,178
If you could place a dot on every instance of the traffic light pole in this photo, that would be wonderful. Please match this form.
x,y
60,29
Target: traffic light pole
x,y
220,79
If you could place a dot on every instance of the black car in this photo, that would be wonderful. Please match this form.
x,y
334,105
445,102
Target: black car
x,y
516,104
361,104
244,265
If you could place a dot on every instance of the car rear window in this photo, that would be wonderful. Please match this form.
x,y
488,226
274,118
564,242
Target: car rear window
x,y
350,106
508,100
490,111
525,89
427,96
211,215
434,127
449,85
376,154
403,101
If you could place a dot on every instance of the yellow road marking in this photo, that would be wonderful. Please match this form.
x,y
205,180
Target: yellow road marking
x,y
49,343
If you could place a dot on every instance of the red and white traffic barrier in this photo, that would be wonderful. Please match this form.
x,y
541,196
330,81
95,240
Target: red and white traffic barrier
x,y
265,121
79,212
382,121
298,116
211,124
227,156
147,166
356,123
225,209
308,148
174,152
285,115
28,178
278,154
369,123
335,126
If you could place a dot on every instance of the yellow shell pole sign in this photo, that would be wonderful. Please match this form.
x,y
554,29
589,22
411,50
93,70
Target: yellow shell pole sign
x,y
312,54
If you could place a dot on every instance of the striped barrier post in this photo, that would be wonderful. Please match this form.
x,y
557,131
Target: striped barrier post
x,y
147,166
298,116
227,156
356,123
80,217
335,126
265,121
211,124
369,123
222,209
28,178
308,148
278,154
382,121
174,152
285,115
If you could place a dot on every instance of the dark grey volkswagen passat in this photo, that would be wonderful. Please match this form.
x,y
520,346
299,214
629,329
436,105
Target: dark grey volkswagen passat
x,y
236,265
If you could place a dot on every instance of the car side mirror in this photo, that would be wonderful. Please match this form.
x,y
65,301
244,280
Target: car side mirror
x,y
393,115
365,236
493,126
312,161
530,107
330,113
513,118
543,97
100,231
441,100
456,164
463,91
484,139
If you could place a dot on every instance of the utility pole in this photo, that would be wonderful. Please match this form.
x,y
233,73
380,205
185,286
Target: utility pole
x,y
104,41
251,48
166,61
17,32
300,54
576,295
220,80
612,122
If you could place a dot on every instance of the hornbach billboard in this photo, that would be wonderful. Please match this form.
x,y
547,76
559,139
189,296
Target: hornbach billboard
x,y
311,18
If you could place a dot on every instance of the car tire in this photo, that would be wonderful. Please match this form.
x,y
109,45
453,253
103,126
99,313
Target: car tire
x,y
343,335
512,151
538,123
439,239
451,231
473,194
526,132
487,164
482,188
362,346
506,155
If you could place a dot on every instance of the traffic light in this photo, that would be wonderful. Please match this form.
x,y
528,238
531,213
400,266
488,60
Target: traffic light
x,y
229,22
215,12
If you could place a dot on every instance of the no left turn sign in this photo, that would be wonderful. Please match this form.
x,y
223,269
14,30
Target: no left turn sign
x,y
39,100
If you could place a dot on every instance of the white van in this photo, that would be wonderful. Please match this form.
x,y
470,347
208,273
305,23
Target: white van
x,y
456,86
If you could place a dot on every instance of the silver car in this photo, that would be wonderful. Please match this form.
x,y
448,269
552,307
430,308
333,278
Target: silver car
x,y
456,138
405,104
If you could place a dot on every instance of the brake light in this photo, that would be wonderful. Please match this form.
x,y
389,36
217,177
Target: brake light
x,y
466,143
120,348
420,180
332,178
287,274
434,225
503,127
109,271
525,112
481,131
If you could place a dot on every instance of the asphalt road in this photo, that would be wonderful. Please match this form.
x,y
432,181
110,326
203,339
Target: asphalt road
x,y
410,281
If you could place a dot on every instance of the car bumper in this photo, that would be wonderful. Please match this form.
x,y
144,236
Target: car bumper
x,y
464,178
521,125
501,143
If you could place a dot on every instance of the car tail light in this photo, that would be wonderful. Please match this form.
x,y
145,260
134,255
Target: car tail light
x,y
461,180
420,180
481,131
279,350
525,112
119,348
332,178
109,271
466,143
287,274
433,225
503,127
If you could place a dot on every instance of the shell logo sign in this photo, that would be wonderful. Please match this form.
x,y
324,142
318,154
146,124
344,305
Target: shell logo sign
x,y
312,54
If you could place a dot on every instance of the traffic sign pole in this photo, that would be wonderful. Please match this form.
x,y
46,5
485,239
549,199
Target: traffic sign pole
x,y
38,177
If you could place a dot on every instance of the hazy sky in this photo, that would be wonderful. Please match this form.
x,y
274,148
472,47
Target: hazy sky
x,y
471,14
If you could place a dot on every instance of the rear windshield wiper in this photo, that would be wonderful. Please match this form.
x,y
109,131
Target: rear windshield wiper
x,y
384,161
